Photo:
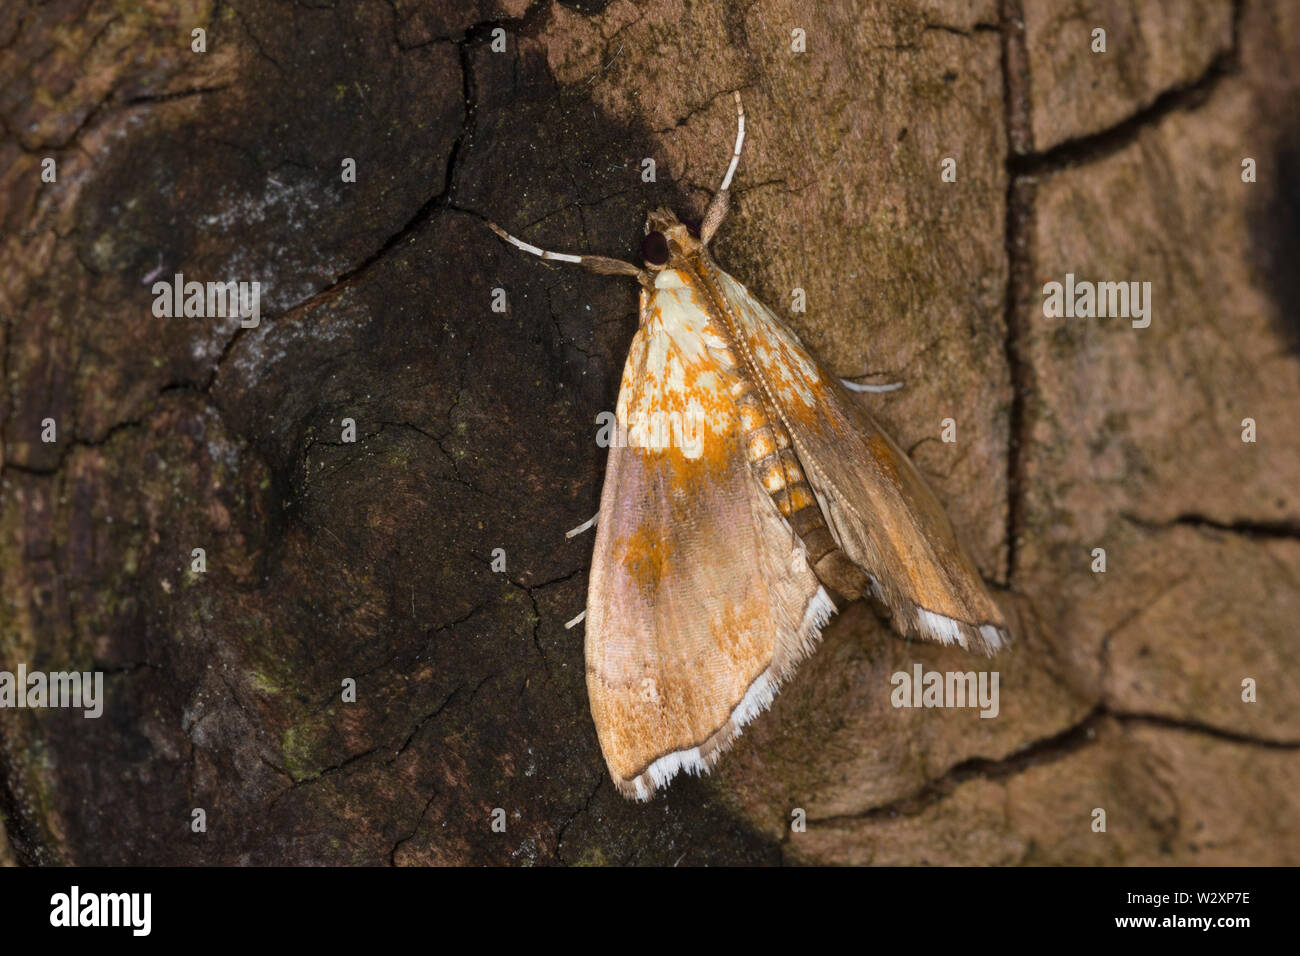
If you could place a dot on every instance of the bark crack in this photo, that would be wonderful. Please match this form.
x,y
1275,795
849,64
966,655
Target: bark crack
x,y
568,821
1018,225
1282,530
1051,749
420,219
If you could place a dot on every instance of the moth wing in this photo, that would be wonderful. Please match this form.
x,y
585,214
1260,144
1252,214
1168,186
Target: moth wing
x,y
881,511
697,609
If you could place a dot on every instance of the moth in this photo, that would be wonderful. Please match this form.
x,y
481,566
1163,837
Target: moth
x,y
748,494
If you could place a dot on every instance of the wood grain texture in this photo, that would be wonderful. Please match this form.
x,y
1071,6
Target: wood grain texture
x,y
476,429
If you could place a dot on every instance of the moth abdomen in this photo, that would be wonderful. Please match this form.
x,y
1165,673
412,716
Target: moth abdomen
x,y
776,466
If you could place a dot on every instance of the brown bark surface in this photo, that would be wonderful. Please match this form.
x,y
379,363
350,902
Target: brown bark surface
x,y
372,559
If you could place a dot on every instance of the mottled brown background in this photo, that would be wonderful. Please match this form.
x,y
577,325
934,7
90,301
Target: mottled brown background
x,y
371,560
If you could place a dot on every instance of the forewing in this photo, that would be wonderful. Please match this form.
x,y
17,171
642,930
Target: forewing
x,y
884,516
698,607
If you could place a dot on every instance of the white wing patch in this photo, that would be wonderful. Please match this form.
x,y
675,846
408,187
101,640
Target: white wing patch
x,y
942,629
675,357
947,631
992,636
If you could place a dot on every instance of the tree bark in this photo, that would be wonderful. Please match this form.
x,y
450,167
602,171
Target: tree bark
x,y
377,560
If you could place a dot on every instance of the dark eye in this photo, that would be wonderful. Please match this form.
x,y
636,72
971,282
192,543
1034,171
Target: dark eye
x,y
654,249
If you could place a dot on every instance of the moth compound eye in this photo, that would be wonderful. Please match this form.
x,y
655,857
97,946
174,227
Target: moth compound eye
x,y
654,249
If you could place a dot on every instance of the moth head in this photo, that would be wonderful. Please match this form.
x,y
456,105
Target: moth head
x,y
667,239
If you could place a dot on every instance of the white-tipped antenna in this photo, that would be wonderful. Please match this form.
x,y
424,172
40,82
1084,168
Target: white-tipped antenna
x,y
601,264
855,387
720,202
528,247
569,625
582,527
740,141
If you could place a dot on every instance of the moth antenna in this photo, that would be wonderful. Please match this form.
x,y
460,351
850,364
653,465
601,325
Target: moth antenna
x,y
740,141
855,387
568,625
582,527
599,264
721,200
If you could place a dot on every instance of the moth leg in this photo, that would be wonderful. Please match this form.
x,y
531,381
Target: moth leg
x,y
855,387
590,522
599,264
721,201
